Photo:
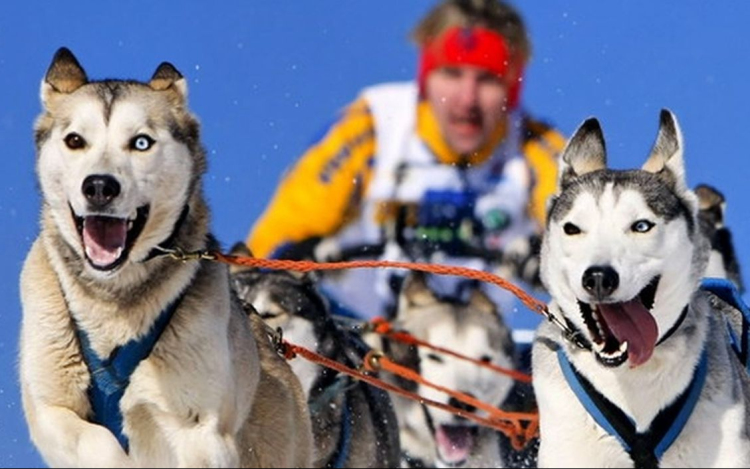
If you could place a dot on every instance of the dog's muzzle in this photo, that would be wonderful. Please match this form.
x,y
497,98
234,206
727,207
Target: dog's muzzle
x,y
107,240
619,331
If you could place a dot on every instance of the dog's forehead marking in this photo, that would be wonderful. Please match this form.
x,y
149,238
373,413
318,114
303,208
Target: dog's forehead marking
x,y
130,118
138,99
85,118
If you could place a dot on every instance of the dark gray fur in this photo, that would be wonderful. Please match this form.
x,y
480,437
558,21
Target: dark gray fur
x,y
374,426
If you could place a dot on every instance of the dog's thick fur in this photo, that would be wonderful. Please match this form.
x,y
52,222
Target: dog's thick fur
x,y
622,257
119,164
473,327
354,423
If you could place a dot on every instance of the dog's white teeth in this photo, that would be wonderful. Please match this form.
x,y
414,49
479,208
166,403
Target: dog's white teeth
x,y
92,254
130,225
599,348
599,328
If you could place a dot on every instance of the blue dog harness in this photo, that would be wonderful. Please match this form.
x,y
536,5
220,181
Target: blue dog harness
x,y
645,448
110,377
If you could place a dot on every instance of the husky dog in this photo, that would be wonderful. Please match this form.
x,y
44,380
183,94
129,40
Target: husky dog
x,y
474,328
128,358
722,262
354,423
640,372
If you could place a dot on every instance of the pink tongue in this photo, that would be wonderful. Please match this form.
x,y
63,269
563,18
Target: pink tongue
x,y
104,239
454,443
632,322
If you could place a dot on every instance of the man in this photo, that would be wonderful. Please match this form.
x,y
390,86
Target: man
x,y
446,169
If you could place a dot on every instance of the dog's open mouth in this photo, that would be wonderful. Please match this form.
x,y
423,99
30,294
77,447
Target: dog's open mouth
x,y
108,240
623,331
454,443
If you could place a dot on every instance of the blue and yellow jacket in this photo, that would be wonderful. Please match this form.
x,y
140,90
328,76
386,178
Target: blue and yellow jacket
x,y
324,190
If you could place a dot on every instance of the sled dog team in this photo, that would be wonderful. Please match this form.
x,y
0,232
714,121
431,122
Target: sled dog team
x,y
131,358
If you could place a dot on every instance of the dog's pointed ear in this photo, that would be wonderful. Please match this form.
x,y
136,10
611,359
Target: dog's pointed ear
x,y
709,196
666,156
712,204
167,76
480,301
240,249
64,75
415,292
585,152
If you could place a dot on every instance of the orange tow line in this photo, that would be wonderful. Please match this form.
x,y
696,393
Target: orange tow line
x,y
509,423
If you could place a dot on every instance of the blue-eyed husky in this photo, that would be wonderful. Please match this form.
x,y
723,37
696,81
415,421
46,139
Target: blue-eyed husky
x,y
128,358
642,373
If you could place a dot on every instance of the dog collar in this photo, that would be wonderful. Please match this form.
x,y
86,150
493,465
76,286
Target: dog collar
x,y
110,376
168,244
644,448
674,327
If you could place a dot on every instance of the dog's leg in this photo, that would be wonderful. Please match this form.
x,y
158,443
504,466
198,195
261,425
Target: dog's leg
x,y
204,445
66,440
52,375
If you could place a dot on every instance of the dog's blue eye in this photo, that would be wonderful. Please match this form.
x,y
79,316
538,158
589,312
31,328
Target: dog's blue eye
x,y
571,229
642,226
141,142
74,141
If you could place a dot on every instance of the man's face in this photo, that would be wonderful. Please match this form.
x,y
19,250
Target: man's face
x,y
469,103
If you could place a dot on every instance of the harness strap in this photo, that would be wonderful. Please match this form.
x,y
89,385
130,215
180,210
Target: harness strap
x,y
110,376
345,439
644,448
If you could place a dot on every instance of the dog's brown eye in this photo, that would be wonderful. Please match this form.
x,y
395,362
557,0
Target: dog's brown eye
x,y
642,226
74,141
435,357
267,314
141,142
571,229
485,359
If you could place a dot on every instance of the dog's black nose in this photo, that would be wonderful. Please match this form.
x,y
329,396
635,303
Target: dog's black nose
x,y
453,402
600,281
100,189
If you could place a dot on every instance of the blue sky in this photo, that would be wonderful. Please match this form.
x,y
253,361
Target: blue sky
x,y
264,77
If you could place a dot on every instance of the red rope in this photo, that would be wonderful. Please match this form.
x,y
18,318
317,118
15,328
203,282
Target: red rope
x,y
383,327
439,269
509,423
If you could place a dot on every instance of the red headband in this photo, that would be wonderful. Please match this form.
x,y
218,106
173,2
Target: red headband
x,y
477,46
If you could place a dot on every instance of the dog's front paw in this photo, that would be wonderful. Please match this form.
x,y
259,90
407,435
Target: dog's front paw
x,y
207,449
97,447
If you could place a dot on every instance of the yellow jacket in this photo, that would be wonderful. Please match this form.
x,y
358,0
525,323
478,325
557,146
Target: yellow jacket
x,y
323,190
